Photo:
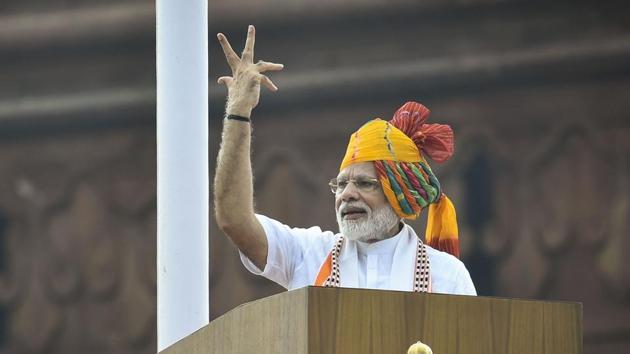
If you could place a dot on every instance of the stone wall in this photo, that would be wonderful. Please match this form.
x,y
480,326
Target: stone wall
x,y
537,94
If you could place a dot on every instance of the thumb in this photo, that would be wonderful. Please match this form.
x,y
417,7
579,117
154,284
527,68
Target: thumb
x,y
225,80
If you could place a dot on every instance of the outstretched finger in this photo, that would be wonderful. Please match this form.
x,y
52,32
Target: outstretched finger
x,y
231,56
266,66
225,80
268,83
248,52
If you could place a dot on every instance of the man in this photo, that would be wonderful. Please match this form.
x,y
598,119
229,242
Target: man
x,y
383,179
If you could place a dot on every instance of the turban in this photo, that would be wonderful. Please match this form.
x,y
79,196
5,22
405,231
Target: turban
x,y
398,149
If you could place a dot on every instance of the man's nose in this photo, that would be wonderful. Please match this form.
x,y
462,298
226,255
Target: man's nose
x,y
351,192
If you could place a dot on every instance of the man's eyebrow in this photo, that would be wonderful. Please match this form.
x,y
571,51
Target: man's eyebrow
x,y
357,177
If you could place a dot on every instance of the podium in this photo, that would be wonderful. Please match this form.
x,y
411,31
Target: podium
x,y
337,320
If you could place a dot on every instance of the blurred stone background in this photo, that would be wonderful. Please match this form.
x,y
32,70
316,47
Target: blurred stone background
x,y
538,93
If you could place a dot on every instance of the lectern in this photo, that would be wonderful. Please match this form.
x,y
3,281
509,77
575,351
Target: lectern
x,y
360,321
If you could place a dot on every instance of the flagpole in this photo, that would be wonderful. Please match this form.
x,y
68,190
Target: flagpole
x,y
182,172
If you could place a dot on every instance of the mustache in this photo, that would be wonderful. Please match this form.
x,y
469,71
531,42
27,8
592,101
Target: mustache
x,y
353,206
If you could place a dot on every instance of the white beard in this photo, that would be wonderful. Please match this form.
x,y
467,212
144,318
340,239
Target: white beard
x,y
375,227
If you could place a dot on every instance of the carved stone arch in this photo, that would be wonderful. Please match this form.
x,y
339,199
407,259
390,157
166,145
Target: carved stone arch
x,y
16,238
286,186
612,260
41,184
570,182
576,165
83,245
480,179
127,179
17,265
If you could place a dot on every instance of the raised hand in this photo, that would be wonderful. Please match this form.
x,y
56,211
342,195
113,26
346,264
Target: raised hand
x,y
244,84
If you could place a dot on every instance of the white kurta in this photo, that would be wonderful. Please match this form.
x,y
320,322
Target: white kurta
x,y
295,256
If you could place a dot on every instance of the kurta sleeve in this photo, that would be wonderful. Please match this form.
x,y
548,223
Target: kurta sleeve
x,y
464,284
287,247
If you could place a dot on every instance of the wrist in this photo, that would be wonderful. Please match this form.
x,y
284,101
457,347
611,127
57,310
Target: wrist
x,y
237,118
238,110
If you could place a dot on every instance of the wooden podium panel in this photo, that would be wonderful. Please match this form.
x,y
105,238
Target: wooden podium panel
x,y
348,321
275,324
369,321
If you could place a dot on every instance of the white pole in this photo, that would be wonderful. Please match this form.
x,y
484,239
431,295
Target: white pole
x,y
182,172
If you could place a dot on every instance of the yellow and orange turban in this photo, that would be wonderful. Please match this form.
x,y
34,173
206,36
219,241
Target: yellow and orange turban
x,y
396,148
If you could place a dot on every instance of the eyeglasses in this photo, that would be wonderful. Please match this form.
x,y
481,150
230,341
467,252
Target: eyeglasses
x,y
364,184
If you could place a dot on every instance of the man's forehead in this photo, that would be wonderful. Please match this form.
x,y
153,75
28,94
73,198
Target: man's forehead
x,y
359,169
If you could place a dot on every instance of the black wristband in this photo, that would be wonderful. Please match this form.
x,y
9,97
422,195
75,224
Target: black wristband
x,y
239,118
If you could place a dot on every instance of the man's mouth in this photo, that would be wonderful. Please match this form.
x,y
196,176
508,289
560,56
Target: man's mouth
x,y
352,213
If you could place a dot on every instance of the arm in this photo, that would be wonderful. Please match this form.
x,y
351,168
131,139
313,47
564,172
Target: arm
x,y
233,182
464,284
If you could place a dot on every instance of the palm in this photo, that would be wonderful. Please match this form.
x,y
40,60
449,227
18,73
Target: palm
x,y
247,76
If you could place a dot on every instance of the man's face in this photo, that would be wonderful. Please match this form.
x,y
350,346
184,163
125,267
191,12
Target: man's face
x,y
363,215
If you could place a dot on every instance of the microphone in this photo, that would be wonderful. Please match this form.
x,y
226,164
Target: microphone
x,y
419,348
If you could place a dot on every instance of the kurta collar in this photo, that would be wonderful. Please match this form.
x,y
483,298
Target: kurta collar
x,y
402,271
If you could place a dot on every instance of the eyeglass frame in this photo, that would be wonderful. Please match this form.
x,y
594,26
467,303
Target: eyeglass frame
x,y
374,184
